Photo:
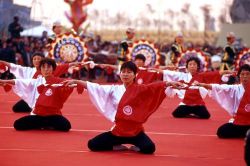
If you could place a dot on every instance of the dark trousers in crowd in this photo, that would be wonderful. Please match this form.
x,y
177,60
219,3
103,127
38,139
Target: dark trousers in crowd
x,y
184,111
106,141
21,106
230,130
53,122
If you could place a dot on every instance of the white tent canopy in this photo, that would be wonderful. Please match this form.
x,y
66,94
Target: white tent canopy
x,y
36,31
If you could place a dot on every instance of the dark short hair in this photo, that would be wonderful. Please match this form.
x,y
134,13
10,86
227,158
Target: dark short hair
x,y
50,62
197,61
129,65
37,54
16,18
140,56
244,67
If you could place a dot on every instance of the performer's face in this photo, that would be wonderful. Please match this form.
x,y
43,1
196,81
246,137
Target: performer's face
x,y
36,61
127,76
46,70
139,62
192,67
245,77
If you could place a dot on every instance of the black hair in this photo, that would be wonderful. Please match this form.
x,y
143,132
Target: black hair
x,y
16,18
129,65
50,62
140,56
244,67
37,54
197,61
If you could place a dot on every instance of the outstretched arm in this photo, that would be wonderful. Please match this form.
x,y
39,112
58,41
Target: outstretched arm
x,y
72,82
5,63
207,86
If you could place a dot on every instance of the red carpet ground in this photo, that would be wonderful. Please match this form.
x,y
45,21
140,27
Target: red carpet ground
x,y
179,142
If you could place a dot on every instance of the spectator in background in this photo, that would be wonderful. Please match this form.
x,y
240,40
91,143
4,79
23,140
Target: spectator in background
x,y
229,53
215,62
7,53
128,41
15,28
177,48
57,29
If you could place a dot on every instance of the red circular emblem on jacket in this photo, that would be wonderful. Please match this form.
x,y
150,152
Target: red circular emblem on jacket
x,y
247,108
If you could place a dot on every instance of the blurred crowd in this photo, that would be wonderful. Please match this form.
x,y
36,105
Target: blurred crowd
x,y
19,49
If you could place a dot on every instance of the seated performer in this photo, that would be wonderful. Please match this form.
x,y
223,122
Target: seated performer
x,y
128,106
21,72
192,104
235,99
45,97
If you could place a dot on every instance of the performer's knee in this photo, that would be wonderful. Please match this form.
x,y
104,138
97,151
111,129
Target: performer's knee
x,y
148,149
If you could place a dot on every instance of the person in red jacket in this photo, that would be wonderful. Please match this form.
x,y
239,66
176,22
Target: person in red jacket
x,y
235,99
46,96
192,104
34,72
129,106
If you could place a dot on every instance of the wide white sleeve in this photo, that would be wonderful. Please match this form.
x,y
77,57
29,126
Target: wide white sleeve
x,y
228,96
27,89
169,75
170,92
22,72
102,97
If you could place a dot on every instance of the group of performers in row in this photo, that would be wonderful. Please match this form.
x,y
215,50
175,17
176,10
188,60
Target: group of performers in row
x,y
44,93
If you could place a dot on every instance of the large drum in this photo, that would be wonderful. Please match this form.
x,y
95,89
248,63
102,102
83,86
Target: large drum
x,y
243,58
146,48
68,48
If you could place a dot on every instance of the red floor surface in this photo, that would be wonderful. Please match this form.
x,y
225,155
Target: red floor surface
x,y
179,142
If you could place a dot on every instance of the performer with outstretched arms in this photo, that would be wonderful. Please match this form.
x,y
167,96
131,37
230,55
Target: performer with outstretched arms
x,y
34,72
192,104
235,99
46,98
129,106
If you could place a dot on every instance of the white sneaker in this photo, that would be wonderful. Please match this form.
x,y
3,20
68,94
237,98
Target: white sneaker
x,y
134,148
120,147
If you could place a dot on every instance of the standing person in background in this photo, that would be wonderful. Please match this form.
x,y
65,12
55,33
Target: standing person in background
x,y
15,28
7,54
215,63
229,53
57,29
128,41
177,48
